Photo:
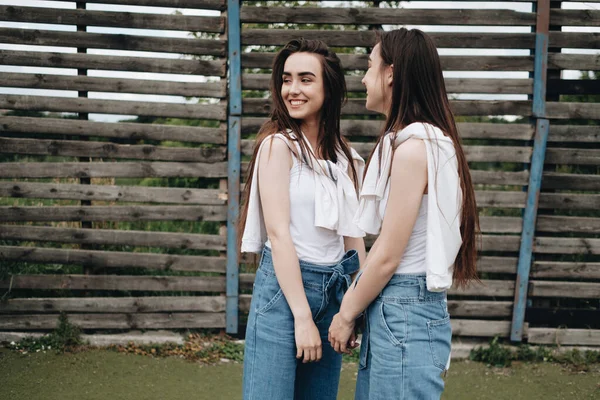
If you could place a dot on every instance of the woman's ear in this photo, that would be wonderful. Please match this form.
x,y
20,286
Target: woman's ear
x,y
389,78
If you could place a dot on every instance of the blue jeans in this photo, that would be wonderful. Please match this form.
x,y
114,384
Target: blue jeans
x,y
271,370
406,344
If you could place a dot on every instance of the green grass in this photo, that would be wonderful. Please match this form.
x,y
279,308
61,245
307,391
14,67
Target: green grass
x,y
100,374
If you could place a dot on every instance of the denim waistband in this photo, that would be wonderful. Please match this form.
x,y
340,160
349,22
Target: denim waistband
x,y
348,265
409,288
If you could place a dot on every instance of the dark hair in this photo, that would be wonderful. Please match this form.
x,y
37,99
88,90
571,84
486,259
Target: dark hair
x,y
419,95
329,139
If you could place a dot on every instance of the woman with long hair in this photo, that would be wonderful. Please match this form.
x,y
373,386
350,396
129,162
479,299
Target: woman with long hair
x,y
418,196
300,200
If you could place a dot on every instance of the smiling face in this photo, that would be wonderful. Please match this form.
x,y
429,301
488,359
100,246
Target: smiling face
x,y
378,82
302,90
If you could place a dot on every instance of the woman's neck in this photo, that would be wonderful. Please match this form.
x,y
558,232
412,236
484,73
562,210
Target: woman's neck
x,y
310,129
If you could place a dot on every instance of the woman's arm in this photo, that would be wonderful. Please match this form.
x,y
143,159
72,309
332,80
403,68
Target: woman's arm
x,y
408,182
274,183
358,244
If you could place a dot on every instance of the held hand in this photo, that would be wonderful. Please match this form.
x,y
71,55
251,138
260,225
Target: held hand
x,y
308,340
341,333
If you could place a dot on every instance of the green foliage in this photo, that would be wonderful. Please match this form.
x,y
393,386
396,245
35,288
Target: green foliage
x,y
495,355
65,337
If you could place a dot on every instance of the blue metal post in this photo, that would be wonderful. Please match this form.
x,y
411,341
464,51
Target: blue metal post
x,y
536,170
233,161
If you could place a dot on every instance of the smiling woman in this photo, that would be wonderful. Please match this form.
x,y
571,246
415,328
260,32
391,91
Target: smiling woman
x,y
299,215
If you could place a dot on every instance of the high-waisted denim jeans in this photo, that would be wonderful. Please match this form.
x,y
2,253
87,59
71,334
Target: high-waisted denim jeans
x,y
406,344
271,370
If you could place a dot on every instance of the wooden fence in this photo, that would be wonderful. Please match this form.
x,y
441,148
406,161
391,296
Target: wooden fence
x,y
98,163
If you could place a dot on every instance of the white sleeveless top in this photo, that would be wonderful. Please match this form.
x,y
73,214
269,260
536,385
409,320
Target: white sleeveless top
x,y
313,244
414,256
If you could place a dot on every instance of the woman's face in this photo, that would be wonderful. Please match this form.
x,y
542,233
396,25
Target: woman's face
x,y
302,89
378,82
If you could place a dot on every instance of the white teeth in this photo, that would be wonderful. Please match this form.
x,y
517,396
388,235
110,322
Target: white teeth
x,y
297,102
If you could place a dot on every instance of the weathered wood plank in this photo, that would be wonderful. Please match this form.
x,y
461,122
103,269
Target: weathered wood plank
x,y
114,259
112,169
573,110
201,4
110,150
113,63
116,321
573,61
277,37
453,85
393,16
480,328
112,193
453,63
572,156
582,40
490,177
489,287
459,107
500,224
85,105
36,37
575,290
554,245
117,282
479,308
562,181
560,224
560,337
498,243
115,304
57,126
574,133
509,199
120,19
114,237
497,265
113,213
97,84
567,270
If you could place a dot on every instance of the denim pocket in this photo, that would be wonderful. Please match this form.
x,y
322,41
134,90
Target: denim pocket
x,y
440,336
394,322
268,291
364,346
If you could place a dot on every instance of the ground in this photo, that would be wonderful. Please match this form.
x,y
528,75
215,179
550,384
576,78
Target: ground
x,y
103,374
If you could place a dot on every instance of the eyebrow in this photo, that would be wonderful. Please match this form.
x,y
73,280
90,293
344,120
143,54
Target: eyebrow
x,y
301,74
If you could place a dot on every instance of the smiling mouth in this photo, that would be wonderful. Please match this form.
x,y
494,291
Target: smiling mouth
x,y
297,103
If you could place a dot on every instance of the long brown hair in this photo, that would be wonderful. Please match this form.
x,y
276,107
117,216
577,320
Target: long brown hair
x,y
419,95
329,140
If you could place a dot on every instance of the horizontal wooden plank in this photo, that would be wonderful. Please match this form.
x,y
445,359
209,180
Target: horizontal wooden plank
x,y
488,288
113,63
497,265
114,213
114,259
393,16
563,181
478,308
459,107
133,131
500,224
500,243
562,110
574,133
513,199
560,337
583,40
201,4
574,290
36,37
560,224
277,37
112,193
480,328
116,282
115,304
119,19
453,85
575,17
97,84
108,150
116,321
572,156
85,105
554,245
453,63
491,177
112,169
113,237
568,270
573,61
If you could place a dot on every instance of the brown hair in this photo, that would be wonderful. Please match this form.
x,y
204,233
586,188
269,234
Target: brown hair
x,y
419,95
329,139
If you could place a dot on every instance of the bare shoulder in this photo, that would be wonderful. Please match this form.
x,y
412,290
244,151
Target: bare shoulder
x,y
276,147
411,152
